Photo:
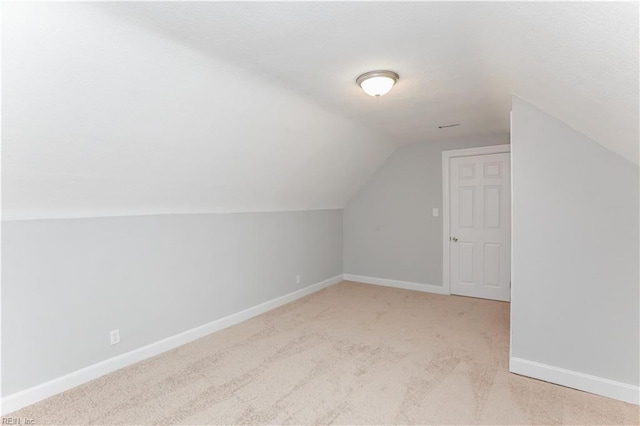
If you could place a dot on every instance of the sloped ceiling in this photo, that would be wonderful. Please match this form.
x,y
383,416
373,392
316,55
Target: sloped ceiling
x,y
129,108
102,117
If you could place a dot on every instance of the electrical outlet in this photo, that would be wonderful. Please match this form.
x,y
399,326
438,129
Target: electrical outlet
x,y
297,279
114,335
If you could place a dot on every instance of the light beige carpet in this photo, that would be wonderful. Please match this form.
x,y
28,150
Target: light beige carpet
x,y
350,354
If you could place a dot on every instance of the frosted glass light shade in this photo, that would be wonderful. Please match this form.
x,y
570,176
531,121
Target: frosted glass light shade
x,y
377,83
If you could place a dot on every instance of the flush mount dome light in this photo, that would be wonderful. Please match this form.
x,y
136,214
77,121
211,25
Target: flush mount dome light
x,y
377,83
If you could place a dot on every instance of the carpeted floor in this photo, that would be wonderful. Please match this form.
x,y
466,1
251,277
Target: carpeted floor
x,y
349,354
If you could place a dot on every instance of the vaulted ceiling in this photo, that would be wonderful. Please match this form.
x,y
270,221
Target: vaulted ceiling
x,y
144,107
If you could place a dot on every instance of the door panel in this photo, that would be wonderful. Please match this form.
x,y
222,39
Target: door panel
x,y
467,198
492,202
492,264
466,262
480,210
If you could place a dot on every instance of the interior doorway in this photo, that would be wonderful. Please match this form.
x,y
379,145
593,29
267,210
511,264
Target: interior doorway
x,y
477,222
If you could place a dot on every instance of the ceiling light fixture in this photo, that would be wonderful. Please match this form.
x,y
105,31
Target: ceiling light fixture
x,y
377,83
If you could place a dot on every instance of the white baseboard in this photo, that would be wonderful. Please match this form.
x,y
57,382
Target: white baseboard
x,y
45,390
407,285
573,379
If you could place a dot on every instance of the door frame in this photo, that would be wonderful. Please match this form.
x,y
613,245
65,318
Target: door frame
x,y
446,213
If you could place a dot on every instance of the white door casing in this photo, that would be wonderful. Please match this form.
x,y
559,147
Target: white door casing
x,y
480,226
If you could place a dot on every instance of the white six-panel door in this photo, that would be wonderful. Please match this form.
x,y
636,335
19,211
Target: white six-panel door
x,y
480,224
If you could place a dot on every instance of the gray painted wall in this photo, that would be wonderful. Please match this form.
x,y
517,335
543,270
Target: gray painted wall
x,y
389,231
67,282
575,295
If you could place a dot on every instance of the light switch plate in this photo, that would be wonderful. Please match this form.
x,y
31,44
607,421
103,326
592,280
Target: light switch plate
x,y
434,212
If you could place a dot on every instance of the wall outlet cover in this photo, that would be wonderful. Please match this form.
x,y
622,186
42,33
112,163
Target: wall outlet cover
x,y
114,336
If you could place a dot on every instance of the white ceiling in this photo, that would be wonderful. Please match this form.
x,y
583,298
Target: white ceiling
x,y
103,118
459,62
135,108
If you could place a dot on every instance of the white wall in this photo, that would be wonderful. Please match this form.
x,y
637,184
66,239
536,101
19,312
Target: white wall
x,y
67,282
106,121
389,231
102,117
575,289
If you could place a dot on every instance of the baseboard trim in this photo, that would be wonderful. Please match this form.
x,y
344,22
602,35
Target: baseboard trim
x,y
45,390
573,379
407,285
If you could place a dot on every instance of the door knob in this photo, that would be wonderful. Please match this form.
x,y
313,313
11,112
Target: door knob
x,y
454,239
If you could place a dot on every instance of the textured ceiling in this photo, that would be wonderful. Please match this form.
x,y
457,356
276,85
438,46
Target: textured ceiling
x,y
160,107
459,61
